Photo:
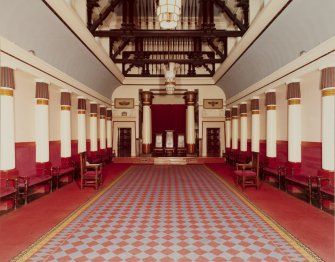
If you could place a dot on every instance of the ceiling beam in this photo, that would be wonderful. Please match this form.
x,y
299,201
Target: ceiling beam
x,y
104,15
167,33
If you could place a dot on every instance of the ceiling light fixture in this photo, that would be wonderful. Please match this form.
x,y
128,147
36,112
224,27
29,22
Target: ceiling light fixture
x,y
168,12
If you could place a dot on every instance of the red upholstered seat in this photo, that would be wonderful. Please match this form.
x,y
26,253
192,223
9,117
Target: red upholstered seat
x,y
66,170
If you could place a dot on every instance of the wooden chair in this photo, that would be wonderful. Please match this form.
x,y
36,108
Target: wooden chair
x,y
181,149
248,174
158,149
169,145
90,174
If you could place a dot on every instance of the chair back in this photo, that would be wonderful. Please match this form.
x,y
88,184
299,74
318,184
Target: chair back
x,y
181,141
255,162
159,140
82,163
169,139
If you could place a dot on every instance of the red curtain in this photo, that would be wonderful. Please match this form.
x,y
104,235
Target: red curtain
x,y
168,117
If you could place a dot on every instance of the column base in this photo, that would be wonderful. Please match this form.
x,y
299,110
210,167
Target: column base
x,y
146,149
190,148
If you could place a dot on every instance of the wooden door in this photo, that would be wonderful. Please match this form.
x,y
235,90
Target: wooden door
x,y
124,143
213,142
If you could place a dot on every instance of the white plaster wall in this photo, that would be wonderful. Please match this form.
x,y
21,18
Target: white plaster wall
x,y
311,107
24,107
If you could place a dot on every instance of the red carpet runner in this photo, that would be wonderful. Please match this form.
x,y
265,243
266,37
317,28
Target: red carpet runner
x,y
168,213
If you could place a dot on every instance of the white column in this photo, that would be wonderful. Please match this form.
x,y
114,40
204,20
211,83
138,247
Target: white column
x,y
190,99
234,128
244,127
65,123
146,132
328,118
94,127
109,128
7,139
146,97
102,127
228,128
294,123
42,122
271,124
255,124
190,125
294,130
81,125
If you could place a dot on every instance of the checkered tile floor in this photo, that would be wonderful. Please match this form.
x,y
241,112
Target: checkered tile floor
x,y
168,213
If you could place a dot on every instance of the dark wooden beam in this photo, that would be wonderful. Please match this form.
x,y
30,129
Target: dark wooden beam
x,y
231,15
104,15
166,33
216,49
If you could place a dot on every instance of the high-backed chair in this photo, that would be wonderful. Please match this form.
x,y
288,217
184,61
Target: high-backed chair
x,y
90,174
169,144
181,149
158,150
248,174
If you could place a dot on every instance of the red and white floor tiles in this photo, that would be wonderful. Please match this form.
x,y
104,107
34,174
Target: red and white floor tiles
x,y
168,213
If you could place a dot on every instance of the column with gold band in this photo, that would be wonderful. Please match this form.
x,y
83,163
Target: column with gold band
x,y
102,129
234,129
244,127
42,122
190,99
294,122
7,141
146,97
271,124
94,126
65,123
328,124
255,124
81,124
109,128
228,128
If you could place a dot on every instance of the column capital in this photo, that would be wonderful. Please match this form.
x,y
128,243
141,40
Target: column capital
x,y
42,90
293,91
190,97
147,97
327,78
7,77
254,105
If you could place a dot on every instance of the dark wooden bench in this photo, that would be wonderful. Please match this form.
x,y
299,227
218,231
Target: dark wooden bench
x,y
326,190
64,173
8,193
35,182
302,181
273,172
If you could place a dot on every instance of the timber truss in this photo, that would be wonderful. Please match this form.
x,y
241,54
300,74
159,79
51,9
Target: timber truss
x,y
141,48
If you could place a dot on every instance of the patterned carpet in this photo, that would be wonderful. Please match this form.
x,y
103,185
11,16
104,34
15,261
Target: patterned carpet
x,y
168,213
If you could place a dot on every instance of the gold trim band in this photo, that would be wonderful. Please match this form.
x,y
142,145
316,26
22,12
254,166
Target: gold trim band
x,y
6,92
81,112
271,107
244,114
67,108
93,115
42,102
328,92
255,112
102,117
294,101
234,117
